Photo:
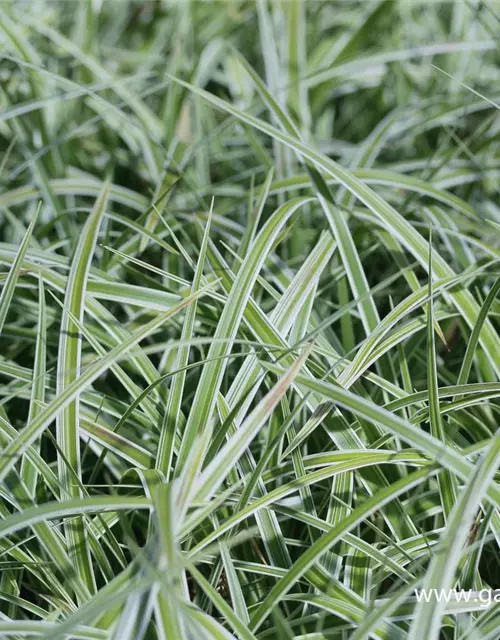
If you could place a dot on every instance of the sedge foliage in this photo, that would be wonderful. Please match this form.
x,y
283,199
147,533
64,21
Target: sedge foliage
x,y
249,332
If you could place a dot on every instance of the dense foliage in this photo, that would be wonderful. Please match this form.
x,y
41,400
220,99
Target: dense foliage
x,y
249,328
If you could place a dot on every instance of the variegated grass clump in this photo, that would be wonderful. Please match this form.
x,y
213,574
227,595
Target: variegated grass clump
x,y
249,334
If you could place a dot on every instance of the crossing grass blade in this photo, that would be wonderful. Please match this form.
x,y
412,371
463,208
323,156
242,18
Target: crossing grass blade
x,y
10,283
68,371
169,427
28,471
446,481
